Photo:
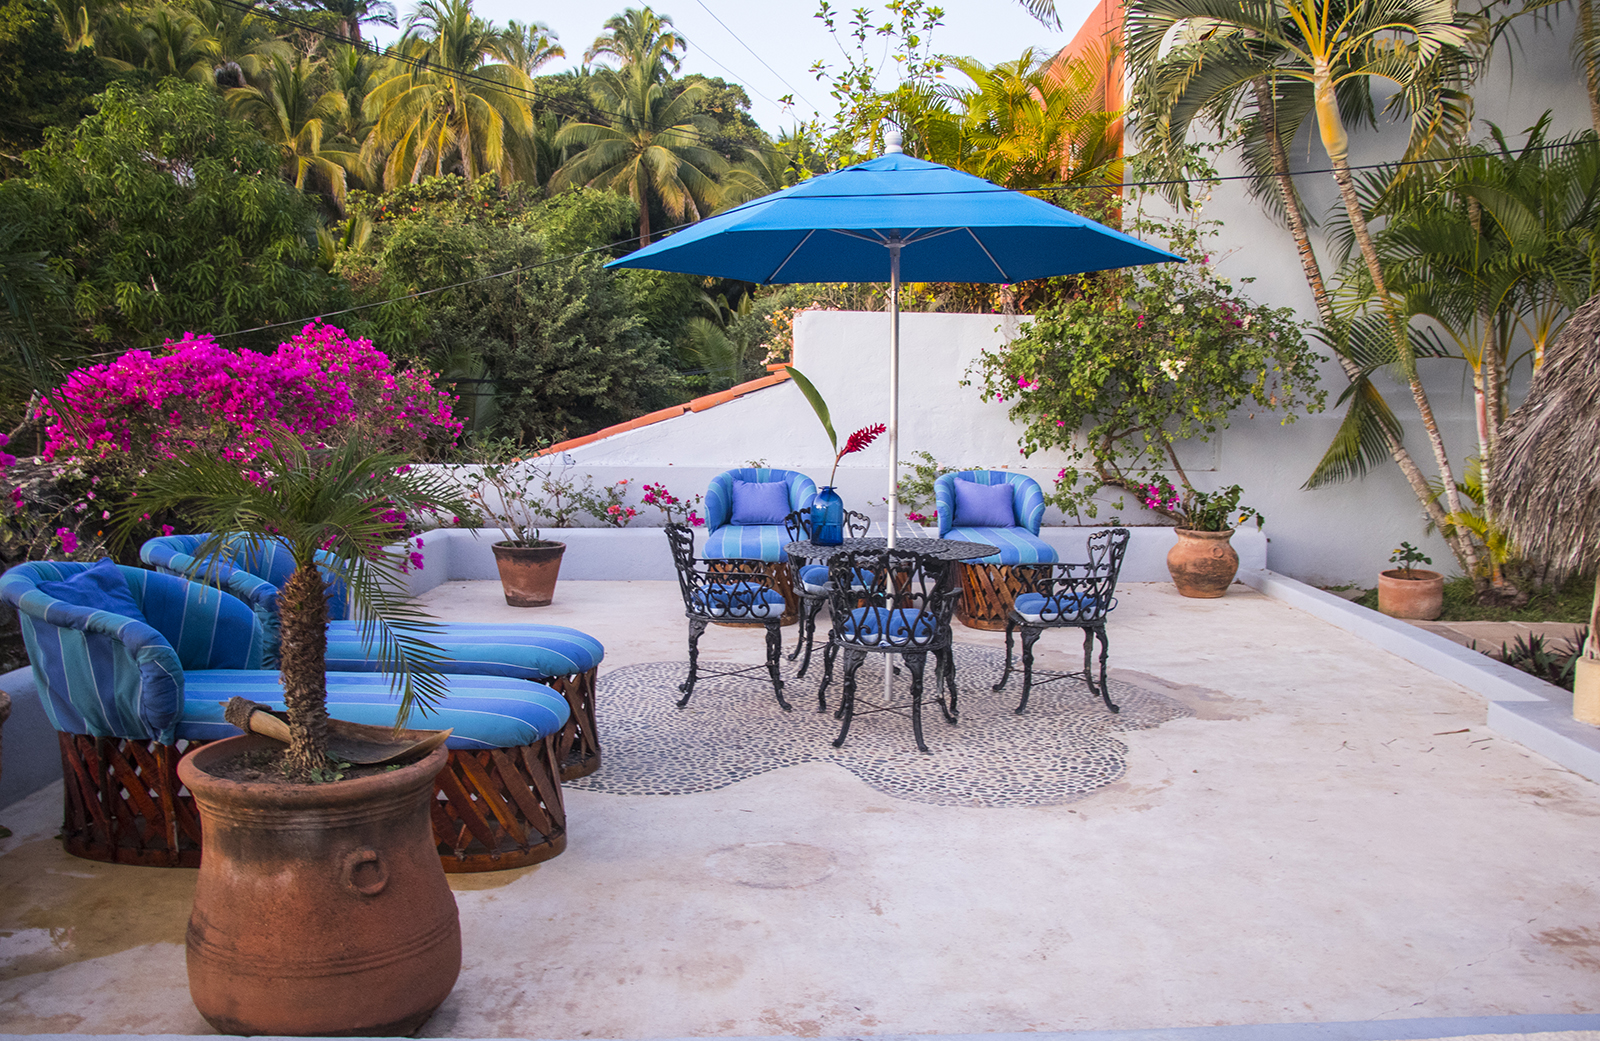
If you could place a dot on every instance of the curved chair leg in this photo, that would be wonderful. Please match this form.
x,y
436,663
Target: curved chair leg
x,y
945,673
847,706
696,627
808,625
774,652
1105,653
1011,628
917,663
1030,636
829,652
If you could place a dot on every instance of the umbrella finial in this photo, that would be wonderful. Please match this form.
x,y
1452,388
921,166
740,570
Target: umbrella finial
x,y
892,140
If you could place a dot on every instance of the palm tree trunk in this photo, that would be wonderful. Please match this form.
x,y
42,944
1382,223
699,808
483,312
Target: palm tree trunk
x,y
302,664
1298,227
1336,142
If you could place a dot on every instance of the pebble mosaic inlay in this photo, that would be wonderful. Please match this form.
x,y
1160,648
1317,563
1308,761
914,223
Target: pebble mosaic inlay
x,y
1062,748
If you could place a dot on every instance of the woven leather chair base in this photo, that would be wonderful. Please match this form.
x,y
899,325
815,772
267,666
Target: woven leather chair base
x,y
578,744
988,591
123,804
780,577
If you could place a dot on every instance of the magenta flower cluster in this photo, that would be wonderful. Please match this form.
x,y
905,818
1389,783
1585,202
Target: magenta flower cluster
x,y
195,394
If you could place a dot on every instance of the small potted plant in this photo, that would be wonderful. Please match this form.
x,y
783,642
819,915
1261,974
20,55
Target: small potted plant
x,y
1203,562
1408,591
514,492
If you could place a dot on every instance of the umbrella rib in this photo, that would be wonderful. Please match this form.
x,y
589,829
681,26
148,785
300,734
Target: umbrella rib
x,y
792,252
986,253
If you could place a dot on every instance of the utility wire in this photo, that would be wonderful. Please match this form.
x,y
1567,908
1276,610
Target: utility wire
x,y
757,57
724,68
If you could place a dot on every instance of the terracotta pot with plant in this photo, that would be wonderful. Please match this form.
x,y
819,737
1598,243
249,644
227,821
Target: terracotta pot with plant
x,y
1203,563
321,907
1408,591
514,492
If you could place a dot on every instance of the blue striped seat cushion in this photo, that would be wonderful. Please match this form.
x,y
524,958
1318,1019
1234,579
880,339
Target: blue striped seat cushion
x,y
814,578
485,712
887,627
1065,607
1014,545
738,600
762,542
518,650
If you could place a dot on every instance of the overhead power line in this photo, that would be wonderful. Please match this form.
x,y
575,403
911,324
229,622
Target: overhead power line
x,y
757,57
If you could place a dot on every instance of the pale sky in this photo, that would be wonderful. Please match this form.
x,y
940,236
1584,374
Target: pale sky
x,y
783,34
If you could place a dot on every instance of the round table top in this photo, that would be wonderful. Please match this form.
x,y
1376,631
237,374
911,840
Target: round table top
x,y
942,549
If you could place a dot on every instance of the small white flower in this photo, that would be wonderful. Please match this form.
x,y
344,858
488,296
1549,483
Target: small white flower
x,y
1173,367
1177,308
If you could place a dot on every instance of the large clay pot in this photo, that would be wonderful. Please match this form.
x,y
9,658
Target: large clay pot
x,y
320,909
1420,596
1202,563
528,573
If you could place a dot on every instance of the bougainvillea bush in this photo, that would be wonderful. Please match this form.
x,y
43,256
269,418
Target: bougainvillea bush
x,y
108,424
193,394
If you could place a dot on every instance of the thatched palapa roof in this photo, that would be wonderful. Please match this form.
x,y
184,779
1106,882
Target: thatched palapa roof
x,y
1545,481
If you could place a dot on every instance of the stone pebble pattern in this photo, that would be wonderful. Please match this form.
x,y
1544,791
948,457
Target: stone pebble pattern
x,y
1061,749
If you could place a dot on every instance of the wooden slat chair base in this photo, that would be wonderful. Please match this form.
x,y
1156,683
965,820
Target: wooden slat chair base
x,y
123,804
578,744
989,590
780,577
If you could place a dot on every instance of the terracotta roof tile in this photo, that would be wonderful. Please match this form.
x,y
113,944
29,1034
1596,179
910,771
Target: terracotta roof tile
x,y
780,374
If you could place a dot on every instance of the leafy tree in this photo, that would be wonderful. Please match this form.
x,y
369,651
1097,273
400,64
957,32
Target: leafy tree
x,y
293,115
471,116
531,45
639,36
736,135
169,217
42,83
351,13
651,152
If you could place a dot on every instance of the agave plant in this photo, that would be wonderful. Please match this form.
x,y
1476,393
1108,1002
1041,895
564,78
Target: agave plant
x,y
342,513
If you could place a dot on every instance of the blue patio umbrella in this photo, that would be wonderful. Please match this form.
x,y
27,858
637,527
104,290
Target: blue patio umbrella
x,y
898,218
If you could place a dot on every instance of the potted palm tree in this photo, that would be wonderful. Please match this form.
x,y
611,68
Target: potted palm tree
x,y
321,907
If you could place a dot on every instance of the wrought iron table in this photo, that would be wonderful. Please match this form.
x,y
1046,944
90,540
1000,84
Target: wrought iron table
x,y
949,550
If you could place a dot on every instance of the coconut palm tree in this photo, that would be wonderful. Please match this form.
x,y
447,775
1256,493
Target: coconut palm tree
x,y
290,114
351,13
355,72
340,511
1291,60
652,152
639,36
451,109
531,45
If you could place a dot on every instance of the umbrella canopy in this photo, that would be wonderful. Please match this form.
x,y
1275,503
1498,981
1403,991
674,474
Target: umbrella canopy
x,y
1545,481
890,219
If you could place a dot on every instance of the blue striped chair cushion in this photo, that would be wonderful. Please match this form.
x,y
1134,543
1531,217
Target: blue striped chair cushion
x,y
517,650
887,627
1065,607
251,571
763,542
107,675
1014,545
738,600
814,578
1027,497
485,712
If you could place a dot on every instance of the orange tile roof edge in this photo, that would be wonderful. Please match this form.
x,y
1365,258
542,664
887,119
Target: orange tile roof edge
x,y
779,374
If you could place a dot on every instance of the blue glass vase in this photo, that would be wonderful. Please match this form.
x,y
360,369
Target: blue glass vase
x,y
827,518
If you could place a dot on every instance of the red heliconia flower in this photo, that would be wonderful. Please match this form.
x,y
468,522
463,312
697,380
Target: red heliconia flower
x,y
862,438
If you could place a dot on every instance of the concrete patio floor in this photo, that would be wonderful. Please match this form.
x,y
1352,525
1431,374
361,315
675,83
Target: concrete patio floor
x,y
1333,835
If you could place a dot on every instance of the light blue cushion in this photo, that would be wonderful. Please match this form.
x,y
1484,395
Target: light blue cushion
x,y
738,600
484,711
897,627
99,587
759,503
763,542
814,578
1065,607
983,505
1012,545
519,650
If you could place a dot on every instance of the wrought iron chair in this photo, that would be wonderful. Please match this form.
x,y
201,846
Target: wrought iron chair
x,y
811,580
1070,596
723,593
890,602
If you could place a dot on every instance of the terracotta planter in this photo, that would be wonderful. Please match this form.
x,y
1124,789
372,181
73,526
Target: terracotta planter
x,y
1586,691
319,909
1421,596
1203,563
528,572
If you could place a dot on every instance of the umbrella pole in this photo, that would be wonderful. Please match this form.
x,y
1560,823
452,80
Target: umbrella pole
x,y
894,432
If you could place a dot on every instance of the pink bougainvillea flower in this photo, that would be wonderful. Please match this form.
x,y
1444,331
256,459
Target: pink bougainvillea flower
x,y
69,540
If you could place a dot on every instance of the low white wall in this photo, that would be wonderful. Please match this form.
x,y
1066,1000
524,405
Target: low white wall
x,y
641,554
